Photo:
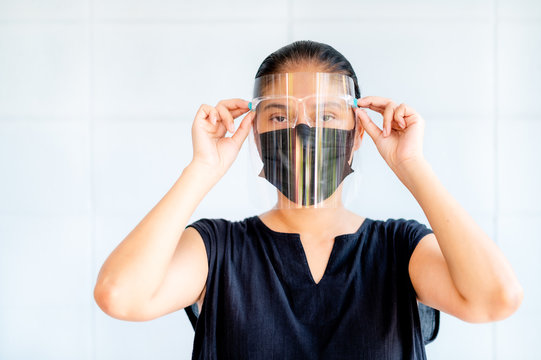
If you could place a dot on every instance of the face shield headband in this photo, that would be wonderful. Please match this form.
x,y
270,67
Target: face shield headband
x,y
304,130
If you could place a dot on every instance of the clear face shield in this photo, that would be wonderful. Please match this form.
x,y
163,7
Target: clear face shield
x,y
304,131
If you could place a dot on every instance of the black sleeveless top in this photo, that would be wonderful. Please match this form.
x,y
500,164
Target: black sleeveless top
x,y
261,301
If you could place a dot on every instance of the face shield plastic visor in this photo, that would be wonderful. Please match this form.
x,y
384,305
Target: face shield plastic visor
x,y
304,130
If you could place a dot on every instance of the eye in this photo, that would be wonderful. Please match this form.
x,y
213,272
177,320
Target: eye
x,y
278,118
327,117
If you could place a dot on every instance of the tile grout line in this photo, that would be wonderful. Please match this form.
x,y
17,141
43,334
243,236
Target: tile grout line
x,y
91,115
289,21
495,137
428,19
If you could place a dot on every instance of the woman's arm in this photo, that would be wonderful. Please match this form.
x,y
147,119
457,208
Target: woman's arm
x,y
479,270
133,272
458,269
130,281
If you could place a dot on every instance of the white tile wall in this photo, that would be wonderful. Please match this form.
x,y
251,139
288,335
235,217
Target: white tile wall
x,y
464,147
519,9
168,337
137,162
45,260
393,9
44,71
519,173
44,10
97,99
447,70
163,71
519,69
458,339
57,331
189,10
46,287
45,168
517,336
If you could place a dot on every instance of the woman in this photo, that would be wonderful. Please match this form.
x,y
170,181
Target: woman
x,y
307,279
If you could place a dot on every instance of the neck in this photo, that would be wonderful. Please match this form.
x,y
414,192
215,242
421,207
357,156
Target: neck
x,y
327,218
309,220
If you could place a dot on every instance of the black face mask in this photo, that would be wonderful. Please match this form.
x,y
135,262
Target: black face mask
x,y
327,158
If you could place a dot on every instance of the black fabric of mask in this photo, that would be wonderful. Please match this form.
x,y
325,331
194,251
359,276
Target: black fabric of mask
x,y
322,151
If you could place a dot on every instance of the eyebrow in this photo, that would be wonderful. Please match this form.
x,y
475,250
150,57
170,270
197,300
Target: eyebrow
x,y
283,107
279,106
330,103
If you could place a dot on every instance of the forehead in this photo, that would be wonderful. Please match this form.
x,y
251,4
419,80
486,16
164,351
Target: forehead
x,y
302,84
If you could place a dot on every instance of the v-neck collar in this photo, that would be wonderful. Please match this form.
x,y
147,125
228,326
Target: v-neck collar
x,y
297,235
302,252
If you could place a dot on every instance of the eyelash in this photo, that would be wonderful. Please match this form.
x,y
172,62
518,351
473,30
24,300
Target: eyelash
x,y
330,115
278,116
282,116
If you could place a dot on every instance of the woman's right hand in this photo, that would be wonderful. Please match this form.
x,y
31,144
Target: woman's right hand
x,y
211,148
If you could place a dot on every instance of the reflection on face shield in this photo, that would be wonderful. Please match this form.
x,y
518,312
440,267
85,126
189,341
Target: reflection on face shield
x,y
279,111
305,142
306,164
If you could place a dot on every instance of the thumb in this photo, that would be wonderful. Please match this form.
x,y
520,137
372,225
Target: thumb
x,y
371,128
244,129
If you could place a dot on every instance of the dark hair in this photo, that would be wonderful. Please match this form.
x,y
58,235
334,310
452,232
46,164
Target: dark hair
x,y
311,52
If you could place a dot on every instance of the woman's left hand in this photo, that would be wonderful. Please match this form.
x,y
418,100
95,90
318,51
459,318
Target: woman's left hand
x,y
402,144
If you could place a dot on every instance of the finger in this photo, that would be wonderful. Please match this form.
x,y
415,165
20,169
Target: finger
x,y
408,111
376,103
244,129
207,112
236,107
399,114
371,128
235,104
388,118
238,112
227,118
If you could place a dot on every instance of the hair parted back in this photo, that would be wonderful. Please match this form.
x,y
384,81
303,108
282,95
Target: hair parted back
x,y
308,52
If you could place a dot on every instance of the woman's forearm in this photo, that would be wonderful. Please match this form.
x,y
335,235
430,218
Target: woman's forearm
x,y
479,270
138,265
